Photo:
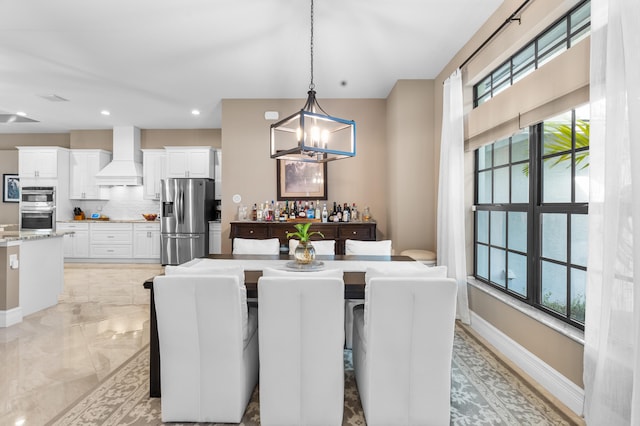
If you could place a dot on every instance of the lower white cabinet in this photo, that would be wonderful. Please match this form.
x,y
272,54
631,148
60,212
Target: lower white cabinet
x,y
76,245
215,237
146,240
111,240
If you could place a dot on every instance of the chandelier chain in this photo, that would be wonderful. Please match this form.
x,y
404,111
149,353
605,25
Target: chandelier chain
x,y
312,85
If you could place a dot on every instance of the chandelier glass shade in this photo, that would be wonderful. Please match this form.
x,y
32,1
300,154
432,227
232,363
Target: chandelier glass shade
x,y
311,135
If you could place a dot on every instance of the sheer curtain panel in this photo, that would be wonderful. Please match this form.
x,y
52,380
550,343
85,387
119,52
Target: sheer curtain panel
x,y
451,233
612,324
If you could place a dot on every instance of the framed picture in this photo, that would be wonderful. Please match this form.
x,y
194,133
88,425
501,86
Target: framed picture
x,y
301,181
11,188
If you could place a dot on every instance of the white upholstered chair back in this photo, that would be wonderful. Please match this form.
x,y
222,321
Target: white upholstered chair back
x,y
370,248
301,350
402,349
208,347
360,248
256,246
322,247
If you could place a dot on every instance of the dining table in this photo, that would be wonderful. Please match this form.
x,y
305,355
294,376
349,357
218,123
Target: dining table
x,y
353,268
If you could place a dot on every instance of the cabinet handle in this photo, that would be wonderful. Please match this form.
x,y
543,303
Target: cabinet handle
x,y
355,232
110,236
251,232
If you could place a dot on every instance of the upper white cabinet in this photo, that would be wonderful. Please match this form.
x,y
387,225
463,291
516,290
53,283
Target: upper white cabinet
x,y
218,174
190,162
83,166
41,162
153,171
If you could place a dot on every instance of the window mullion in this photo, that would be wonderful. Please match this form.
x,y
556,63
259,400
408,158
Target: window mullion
x,y
533,215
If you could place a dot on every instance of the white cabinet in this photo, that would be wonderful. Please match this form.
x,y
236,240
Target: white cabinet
x,y
190,162
146,240
111,240
218,174
215,238
76,245
38,162
83,166
153,171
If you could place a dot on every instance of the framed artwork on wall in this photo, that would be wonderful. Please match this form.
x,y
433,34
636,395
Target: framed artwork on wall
x,y
298,180
10,188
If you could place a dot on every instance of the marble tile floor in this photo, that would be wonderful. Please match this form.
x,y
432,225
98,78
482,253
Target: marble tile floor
x,y
56,355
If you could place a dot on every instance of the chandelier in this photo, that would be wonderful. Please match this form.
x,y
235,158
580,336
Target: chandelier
x,y
311,135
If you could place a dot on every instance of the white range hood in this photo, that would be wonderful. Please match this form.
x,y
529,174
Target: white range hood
x,y
126,166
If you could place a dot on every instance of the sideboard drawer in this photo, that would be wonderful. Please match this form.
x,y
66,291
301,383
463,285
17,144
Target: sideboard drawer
x,y
356,232
250,231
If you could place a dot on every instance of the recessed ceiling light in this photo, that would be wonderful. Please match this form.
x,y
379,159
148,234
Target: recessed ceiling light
x,y
21,113
105,112
195,112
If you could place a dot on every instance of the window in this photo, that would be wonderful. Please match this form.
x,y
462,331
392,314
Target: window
x,y
531,215
564,33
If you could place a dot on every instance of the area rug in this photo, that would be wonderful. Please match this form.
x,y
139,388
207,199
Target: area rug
x,y
484,391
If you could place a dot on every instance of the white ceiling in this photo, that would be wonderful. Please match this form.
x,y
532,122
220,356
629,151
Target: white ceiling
x,y
150,62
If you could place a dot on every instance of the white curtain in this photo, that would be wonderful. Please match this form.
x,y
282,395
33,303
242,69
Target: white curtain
x,y
451,210
612,324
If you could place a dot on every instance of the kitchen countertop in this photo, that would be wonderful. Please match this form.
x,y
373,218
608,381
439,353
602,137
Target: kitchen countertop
x,y
13,236
109,221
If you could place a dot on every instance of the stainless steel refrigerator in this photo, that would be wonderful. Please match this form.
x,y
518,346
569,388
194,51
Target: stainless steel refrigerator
x,y
187,207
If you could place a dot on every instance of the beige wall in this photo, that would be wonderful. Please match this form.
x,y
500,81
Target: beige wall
x,y
8,165
411,185
248,171
563,354
560,352
9,279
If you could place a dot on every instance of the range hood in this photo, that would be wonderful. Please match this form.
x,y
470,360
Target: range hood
x,y
126,166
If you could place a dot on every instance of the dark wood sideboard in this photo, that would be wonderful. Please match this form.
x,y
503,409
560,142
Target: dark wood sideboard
x,y
339,231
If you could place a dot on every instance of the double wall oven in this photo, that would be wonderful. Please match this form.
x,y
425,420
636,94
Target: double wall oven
x,y
38,208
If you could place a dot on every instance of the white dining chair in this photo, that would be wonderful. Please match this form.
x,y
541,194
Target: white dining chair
x,y
322,247
402,349
301,348
360,248
256,246
208,345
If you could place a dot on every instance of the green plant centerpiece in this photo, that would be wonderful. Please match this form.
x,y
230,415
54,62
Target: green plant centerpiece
x,y
304,253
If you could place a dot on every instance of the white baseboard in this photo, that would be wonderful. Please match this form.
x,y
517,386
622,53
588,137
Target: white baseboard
x,y
10,317
558,385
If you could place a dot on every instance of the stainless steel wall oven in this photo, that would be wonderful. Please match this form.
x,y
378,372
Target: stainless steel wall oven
x,y
38,208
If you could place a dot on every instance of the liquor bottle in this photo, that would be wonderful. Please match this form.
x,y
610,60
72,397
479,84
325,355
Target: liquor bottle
x,y
293,213
346,213
254,212
311,211
338,214
260,213
325,214
354,213
302,211
317,212
286,209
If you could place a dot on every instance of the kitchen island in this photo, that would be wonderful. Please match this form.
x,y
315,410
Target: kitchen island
x,y
31,273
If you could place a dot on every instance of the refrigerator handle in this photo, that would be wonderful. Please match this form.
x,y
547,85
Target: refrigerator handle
x,y
180,202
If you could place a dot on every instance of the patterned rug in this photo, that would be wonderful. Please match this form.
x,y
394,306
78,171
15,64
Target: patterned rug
x,y
484,391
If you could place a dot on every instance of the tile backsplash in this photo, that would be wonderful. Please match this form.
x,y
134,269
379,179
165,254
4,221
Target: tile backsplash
x,y
124,203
